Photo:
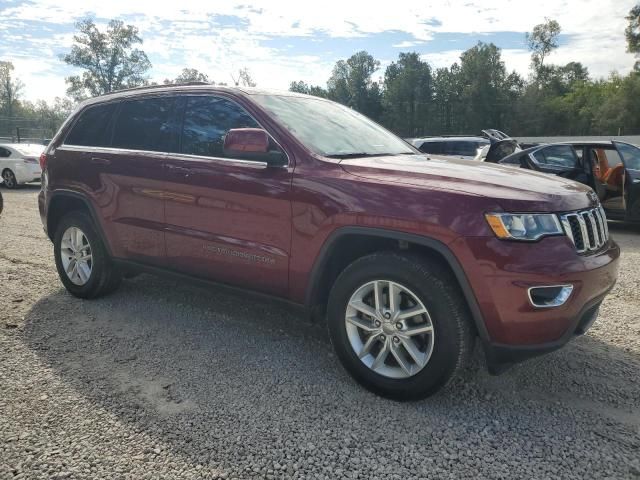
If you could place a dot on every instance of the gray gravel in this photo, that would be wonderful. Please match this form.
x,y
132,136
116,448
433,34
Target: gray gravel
x,y
161,380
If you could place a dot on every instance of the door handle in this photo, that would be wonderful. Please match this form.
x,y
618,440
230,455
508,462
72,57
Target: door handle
x,y
100,161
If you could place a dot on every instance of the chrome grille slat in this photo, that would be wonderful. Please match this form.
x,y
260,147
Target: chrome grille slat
x,y
583,230
587,229
594,227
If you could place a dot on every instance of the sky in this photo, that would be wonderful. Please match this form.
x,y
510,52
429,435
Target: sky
x,y
284,40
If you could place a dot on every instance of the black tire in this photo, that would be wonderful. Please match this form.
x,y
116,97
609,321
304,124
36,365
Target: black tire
x,y
104,277
438,290
9,178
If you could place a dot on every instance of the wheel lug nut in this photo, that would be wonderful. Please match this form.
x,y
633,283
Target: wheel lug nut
x,y
382,337
399,325
377,323
387,315
396,340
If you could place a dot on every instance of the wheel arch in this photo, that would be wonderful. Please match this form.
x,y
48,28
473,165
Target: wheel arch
x,y
65,201
326,267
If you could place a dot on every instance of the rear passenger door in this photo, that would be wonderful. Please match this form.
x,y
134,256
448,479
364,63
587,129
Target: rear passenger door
x,y
113,156
144,130
228,219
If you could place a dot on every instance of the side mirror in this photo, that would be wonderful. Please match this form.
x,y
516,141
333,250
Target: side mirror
x,y
251,144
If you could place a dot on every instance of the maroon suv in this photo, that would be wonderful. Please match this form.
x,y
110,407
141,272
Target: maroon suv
x,y
409,256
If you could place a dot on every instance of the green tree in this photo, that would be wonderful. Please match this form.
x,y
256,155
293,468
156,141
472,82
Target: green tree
x,y
351,84
447,90
10,89
632,32
408,95
189,75
303,87
109,59
542,41
488,92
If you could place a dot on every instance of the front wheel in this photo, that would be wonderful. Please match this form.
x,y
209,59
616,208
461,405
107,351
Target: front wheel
x,y
399,324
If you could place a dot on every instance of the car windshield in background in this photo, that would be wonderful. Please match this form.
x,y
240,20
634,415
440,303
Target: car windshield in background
x,y
331,129
30,150
630,155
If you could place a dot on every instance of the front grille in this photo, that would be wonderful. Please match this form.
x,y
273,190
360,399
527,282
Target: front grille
x,y
587,229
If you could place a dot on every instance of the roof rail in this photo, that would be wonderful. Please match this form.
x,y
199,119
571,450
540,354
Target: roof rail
x,y
167,85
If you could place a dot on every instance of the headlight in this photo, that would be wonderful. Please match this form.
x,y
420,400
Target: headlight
x,y
524,226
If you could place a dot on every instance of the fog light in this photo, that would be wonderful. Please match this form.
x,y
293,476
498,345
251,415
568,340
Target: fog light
x,y
550,296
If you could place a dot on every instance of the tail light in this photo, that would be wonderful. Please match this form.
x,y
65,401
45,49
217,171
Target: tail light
x,y
43,161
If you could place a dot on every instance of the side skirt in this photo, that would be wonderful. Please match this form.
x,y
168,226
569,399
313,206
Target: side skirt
x,y
137,267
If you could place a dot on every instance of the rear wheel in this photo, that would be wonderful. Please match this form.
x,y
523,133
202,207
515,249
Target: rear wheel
x,y
9,178
83,264
399,325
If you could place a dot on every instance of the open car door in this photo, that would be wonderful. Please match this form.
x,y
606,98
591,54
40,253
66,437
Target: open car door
x,y
501,145
630,155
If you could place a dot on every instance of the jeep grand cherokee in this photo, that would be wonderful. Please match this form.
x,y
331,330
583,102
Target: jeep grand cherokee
x,y
410,257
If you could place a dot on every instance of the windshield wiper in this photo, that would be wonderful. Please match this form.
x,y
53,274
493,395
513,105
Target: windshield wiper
x,y
360,155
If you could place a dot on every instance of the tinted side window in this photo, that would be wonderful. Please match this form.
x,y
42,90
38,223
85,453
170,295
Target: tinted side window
x,y
431,147
207,119
631,155
557,156
462,148
4,153
144,125
92,127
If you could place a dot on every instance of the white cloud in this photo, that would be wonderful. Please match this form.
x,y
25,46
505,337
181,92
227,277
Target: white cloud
x,y
179,34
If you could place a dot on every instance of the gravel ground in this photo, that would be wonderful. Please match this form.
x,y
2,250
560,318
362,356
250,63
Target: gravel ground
x,y
161,380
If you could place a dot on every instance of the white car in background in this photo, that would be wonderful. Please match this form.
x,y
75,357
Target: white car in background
x,y
20,163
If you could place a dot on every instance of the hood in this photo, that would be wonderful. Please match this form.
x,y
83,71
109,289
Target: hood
x,y
512,188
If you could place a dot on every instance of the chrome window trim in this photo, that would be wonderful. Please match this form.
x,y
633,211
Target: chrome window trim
x,y
185,156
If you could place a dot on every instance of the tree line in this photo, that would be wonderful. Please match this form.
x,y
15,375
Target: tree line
x,y
411,98
478,92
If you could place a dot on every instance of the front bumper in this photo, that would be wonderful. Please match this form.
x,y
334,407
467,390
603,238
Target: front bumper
x,y
500,274
501,356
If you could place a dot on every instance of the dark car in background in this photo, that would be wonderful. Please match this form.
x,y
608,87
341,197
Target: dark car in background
x,y
610,168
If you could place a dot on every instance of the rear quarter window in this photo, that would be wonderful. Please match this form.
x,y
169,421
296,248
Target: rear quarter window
x,y
92,127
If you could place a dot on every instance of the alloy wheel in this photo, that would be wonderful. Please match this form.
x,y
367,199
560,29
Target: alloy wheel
x,y
389,329
76,256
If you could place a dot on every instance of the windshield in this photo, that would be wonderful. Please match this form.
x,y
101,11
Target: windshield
x,y
30,149
331,129
630,155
